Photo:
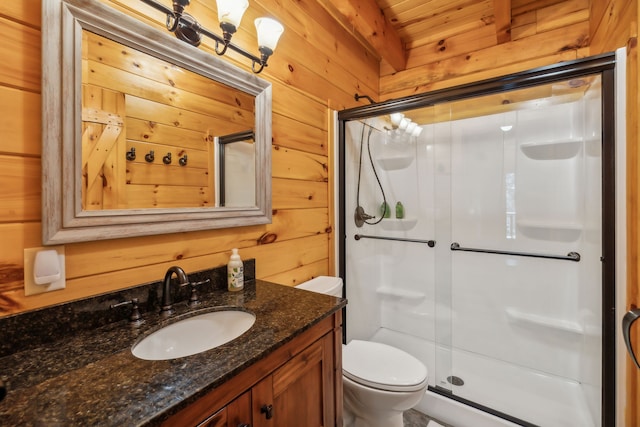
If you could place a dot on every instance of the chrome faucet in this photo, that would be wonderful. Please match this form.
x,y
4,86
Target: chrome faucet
x,y
167,302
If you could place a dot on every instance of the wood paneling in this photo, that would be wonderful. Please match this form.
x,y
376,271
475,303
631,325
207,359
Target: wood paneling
x,y
294,164
21,52
365,18
291,194
502,15
20,189
545,48
463,50
19,122
24,11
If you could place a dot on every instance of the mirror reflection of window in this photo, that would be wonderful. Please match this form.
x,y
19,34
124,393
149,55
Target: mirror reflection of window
x,y
236,165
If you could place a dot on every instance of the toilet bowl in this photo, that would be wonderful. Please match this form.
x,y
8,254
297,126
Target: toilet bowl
x,y
380,381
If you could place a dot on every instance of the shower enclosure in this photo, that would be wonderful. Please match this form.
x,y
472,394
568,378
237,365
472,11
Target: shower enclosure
x,y
497,270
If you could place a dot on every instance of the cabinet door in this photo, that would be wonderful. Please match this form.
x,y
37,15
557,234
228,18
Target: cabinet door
x,y
301,392
239,411
235,414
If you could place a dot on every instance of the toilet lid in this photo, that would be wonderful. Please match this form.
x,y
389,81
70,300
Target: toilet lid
x,y
382,367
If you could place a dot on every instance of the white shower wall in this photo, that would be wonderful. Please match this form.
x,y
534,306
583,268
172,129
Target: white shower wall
x,y
530,189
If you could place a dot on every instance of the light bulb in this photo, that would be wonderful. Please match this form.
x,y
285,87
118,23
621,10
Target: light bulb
x,y
395,118
404,123
417,131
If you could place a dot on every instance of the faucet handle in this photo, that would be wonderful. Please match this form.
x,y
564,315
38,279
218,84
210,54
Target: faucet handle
x,y
135,317
194,299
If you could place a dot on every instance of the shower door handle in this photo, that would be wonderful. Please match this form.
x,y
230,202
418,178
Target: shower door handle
x,y
627,321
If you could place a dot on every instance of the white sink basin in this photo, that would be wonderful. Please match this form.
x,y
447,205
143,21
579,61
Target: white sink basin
x,y
194,335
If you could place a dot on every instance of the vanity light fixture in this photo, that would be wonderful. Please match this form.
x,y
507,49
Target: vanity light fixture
x,y
230,12
404,124
411,127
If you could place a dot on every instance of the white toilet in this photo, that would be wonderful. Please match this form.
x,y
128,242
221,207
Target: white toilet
x,y
380,381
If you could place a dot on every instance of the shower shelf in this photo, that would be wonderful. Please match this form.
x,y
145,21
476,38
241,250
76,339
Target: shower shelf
x,y
399,293
552,150
516,316
563,231
398,224
394,162
559,225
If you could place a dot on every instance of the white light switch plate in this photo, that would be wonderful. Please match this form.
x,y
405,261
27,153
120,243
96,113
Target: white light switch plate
x,y
30,286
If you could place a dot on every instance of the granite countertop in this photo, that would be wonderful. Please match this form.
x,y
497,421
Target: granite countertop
x,y
91,377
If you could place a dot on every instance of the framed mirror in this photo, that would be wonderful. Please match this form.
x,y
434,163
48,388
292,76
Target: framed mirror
x,y
132,119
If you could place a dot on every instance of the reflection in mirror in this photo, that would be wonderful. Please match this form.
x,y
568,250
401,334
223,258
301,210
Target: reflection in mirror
x,y
236,154
139,105
132,115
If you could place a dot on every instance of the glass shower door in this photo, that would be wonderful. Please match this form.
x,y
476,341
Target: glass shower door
x,y
523,275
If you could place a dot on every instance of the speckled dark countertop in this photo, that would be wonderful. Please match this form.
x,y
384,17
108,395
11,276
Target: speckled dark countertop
x,y
91,377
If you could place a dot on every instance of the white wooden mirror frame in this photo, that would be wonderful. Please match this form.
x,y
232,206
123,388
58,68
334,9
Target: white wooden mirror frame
x,y
63,220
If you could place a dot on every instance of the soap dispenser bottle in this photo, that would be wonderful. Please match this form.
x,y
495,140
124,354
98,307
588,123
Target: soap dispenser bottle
x,y
399,210
235,272
385,210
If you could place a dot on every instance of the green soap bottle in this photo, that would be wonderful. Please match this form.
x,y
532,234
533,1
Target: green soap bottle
x,y
385,210
399,210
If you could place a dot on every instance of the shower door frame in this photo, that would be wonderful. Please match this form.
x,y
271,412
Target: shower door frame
x,y
604,65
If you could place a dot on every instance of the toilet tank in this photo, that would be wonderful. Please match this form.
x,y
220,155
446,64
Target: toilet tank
x,y
324,285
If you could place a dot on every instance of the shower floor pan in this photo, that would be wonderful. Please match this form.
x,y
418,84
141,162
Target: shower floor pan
x,y
543,400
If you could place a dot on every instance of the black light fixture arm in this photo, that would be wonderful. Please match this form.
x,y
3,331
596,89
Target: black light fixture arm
x,y
187,29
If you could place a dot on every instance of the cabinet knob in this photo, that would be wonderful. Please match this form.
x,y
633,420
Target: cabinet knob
x,y
267,410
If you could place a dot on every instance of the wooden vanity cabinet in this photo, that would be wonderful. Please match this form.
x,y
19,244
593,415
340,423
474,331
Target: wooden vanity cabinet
x,y
299,384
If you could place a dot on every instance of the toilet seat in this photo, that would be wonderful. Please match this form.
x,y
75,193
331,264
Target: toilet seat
x,y
382,367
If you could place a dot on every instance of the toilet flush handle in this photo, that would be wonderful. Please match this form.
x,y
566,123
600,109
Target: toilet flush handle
x,y
627,321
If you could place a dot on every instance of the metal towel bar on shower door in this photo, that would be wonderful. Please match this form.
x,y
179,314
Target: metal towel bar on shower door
x,y
571,256
430,243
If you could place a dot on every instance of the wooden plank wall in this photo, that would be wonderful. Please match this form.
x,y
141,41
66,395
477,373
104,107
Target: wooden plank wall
x,y
543,32
316,66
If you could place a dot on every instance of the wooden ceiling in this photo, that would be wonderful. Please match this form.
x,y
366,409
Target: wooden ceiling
x,y
391,28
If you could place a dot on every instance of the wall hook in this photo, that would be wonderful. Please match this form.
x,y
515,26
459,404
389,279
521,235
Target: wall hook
x,y
183,160
131,154
150,156
167,159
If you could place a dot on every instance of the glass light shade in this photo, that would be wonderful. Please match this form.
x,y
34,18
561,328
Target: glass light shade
x,y
269,32
404,122
411,127
231,11
395,118
417,131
